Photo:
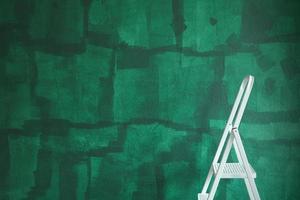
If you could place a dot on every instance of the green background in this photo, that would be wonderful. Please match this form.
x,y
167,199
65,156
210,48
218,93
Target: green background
x,y
127,99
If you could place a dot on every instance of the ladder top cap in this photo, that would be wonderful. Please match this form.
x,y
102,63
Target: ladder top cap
x,y
249,77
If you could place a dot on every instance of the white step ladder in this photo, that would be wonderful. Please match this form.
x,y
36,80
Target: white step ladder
x,y
241,169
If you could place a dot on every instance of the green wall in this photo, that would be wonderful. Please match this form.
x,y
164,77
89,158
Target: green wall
x,y
127,99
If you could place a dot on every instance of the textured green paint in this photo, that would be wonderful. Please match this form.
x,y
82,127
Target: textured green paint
x,y
107,99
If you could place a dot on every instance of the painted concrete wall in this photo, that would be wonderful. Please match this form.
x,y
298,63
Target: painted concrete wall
x,y
108,99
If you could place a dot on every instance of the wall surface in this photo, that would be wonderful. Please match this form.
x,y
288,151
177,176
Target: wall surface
x,y
127,99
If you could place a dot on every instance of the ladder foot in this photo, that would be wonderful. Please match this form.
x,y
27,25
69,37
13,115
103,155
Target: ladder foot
x,y
202,196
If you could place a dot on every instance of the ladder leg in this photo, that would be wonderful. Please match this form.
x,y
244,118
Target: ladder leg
x,y
249,189
208,179
254,188
246,164
238,155
221,166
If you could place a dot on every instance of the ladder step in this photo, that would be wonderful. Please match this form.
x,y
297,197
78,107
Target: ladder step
x,y
233,170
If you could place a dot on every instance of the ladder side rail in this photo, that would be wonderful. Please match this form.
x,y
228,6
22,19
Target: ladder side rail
x,y
246,180
244,101
208,179
236,125
246,164
221,168
228,126
238,99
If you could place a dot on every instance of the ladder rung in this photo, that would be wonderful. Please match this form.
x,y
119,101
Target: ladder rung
x,y
233,170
